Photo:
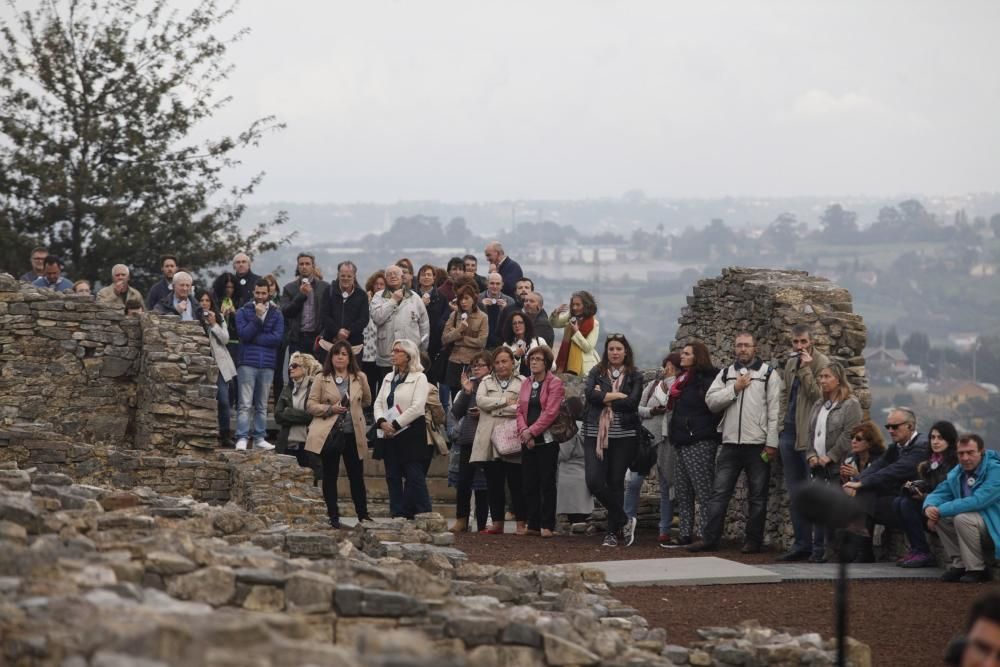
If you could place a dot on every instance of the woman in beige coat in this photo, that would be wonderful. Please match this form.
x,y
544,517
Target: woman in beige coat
x,y
336,401
466,331
497,399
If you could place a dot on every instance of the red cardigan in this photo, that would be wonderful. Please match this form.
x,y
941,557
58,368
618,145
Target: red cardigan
x,y
551,398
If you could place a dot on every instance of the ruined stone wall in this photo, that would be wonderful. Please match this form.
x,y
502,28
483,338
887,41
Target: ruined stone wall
x,y
768,303
96,375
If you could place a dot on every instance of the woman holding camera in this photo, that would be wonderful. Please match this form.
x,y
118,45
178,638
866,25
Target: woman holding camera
x,y
218,338
466,331
611,432
538,406
866,446
497,398
941,458
831,422
463,408
337,401
578,350
518,335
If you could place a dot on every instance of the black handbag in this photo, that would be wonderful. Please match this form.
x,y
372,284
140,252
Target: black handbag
x,y
375,443
439,367
645,455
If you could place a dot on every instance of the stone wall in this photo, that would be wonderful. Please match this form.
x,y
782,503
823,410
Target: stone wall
x,y
768,303
98,376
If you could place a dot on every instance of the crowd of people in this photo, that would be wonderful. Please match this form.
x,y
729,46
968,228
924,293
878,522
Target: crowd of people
x,y
444,361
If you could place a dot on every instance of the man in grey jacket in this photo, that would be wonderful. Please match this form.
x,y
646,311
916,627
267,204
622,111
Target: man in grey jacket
x,y
397,313
748,393
302,306
800,390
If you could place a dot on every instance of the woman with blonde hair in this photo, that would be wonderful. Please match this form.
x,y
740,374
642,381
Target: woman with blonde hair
x,y
290,409
336,401
400,417
831,423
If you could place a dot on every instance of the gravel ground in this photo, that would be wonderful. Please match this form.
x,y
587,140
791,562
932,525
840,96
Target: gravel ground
x,y
884,614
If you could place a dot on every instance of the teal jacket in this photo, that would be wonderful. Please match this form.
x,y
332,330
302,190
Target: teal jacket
x,y
985,498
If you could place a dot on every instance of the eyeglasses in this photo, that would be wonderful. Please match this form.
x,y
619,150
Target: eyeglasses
x,y
893,427
398,351
292,367
480,365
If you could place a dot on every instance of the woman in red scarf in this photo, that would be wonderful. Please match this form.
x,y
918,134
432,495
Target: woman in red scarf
x,y
578,351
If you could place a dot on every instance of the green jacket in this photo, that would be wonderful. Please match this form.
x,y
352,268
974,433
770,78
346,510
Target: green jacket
x,y
809,393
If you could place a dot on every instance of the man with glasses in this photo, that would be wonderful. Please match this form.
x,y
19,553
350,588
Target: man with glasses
x,y
965,508
879,484
38,256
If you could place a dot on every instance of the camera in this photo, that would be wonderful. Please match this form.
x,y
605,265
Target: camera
x,y
918,487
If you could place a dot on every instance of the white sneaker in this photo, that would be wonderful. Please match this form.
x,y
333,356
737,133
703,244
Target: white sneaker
x,y
241,444
628,531
262,444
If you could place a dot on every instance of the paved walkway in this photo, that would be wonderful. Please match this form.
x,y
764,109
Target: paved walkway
x,y
706,571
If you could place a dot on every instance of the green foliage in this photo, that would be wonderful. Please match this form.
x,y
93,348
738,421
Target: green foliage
x,y
101,98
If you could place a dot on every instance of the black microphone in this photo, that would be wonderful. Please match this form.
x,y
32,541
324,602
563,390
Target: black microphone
x,y
827,505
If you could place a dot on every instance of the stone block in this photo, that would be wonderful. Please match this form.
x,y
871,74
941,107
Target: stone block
x,y
264,598
214,585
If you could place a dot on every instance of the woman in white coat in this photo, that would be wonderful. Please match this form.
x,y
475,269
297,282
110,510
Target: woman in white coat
x,y
399,416
218,338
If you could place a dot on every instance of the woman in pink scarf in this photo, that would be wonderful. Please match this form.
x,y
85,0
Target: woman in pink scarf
x,y
610,432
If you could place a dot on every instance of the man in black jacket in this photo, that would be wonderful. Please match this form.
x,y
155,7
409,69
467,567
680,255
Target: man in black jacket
x,y
532,304
346,315
302,305
245,280
159,291
879,484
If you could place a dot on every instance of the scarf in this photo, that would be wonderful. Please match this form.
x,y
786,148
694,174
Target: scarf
x,y
607,415
570,357
677,387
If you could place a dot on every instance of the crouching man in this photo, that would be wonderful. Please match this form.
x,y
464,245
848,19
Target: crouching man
x,y
965,509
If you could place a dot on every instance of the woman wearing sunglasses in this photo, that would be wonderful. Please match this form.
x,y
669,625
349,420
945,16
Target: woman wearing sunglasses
x,y
290,409
610,431
336,402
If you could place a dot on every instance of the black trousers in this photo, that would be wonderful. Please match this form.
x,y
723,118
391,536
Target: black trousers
x,y
606,476
497,474
539,472
340,445
463,492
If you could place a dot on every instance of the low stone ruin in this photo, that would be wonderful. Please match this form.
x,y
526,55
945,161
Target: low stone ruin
x,y
103,578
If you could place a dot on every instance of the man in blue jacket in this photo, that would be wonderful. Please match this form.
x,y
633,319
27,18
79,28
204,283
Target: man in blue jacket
x,y
965,508
260,327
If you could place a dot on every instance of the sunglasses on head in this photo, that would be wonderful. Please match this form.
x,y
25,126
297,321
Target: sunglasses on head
x,y
616,336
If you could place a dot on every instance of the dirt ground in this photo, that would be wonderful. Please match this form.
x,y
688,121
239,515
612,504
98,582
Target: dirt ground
x,y
893,617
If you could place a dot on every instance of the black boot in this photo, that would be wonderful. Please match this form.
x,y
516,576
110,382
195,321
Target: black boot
x,y
864,552
226,439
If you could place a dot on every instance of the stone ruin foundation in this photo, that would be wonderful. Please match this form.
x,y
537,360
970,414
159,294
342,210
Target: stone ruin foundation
x,y
126,540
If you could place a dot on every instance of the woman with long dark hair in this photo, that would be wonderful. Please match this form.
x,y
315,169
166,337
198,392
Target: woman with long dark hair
x,y
336,401
518,334
942,456
611,432
694,435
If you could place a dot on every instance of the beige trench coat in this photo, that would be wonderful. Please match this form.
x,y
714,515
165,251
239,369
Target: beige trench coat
x,y
492,403
325,393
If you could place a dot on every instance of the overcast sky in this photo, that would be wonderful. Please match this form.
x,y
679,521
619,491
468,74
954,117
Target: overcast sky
x,y
471,100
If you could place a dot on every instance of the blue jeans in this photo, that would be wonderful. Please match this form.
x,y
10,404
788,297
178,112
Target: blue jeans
x,y
222,398
633,485
910,515
255,383
796,471
407,485
734,459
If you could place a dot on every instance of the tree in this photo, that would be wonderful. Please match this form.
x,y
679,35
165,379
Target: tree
x,y
839,224
101,98
917,347
891,340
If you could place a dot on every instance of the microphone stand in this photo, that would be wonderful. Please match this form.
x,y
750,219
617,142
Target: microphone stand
x,y
840,597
